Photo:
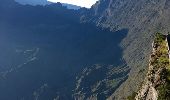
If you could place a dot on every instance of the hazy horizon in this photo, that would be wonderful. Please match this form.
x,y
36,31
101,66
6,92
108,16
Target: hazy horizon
x,y
78,3
82,3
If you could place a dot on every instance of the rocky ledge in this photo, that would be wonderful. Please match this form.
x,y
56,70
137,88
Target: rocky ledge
x,y
156,85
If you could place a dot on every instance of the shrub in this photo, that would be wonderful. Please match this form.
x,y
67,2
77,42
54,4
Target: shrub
x,y
159,38
132,97
163,60
164,91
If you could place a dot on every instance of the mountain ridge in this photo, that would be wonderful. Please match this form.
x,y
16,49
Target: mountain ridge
x,y
47,53
140,19
143,19
45,2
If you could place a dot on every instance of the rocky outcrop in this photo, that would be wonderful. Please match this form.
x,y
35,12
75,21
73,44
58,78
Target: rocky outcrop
x,y
154,77
142,18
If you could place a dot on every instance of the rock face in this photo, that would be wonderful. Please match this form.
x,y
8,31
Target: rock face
x,y
148,92
155,76
47,53
143,18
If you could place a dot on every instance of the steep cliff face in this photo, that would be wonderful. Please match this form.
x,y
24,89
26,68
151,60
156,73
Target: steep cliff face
x,y
143,18
48,55
155,84
140,19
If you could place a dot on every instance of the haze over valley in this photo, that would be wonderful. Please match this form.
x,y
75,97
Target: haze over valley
x,y
98,50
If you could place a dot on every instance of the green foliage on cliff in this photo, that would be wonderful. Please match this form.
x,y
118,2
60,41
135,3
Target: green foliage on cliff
x,y
164,87
168,73
159,38
132,97
164,91
161,60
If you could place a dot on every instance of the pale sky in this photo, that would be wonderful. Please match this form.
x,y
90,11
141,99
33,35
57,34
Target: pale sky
x,y
82,3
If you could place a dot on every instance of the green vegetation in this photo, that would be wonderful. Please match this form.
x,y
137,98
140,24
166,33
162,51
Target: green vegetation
x,y
132,97
168,73
113,83
159,38
164,91
161,60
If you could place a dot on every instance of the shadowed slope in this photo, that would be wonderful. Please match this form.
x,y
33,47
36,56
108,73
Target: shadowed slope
x,y
46,48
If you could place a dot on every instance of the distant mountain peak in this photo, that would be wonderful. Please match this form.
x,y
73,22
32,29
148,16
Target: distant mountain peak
x,y
70,6
45,2
33,2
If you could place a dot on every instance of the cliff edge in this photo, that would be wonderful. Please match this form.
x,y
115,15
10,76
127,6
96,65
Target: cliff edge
x,y
156,85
